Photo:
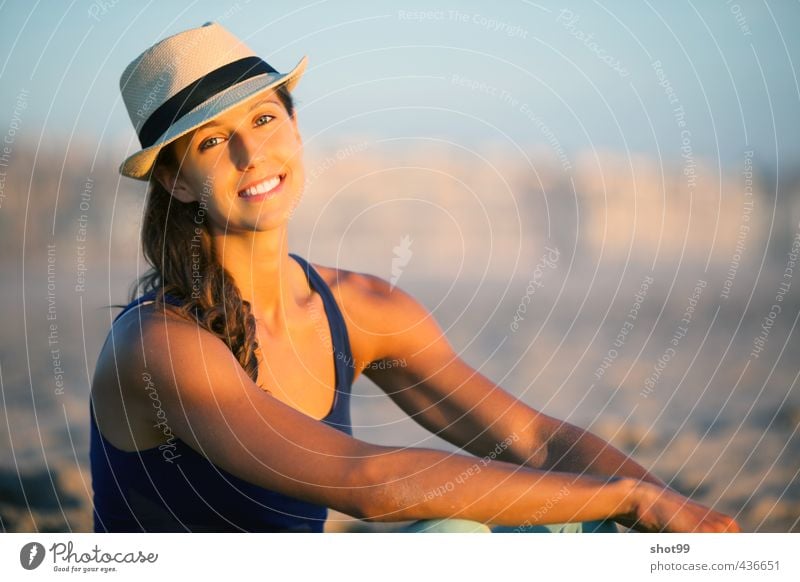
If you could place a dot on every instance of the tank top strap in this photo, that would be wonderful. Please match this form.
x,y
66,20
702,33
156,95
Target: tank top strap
x,y
339,416
149,296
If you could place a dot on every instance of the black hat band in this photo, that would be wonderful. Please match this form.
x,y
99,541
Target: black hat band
x,y
196,93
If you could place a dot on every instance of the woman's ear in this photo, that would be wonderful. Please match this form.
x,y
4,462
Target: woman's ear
x,y
172,182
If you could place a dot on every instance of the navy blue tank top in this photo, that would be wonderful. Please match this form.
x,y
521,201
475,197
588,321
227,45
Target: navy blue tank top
x,y
142,491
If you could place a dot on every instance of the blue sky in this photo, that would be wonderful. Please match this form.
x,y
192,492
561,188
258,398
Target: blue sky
x,y
515,72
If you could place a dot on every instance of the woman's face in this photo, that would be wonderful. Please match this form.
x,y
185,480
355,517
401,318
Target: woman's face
x,y
245,167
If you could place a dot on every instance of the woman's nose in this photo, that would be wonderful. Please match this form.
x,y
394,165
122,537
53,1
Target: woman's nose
x,y
248,150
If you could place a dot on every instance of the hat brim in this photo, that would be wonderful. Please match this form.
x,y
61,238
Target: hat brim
x,y
139,165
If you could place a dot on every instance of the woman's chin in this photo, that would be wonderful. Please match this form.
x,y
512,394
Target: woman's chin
x,y
271,222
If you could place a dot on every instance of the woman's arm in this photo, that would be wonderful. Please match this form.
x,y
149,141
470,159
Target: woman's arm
x,y
446,396
424,484
212,405
462,406
575,450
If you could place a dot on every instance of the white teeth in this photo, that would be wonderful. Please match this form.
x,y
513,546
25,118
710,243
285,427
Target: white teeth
x,y
263,187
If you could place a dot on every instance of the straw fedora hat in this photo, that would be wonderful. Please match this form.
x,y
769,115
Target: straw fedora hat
x,y
187,79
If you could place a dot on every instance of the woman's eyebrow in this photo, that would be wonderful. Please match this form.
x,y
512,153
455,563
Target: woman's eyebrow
x,y
262,102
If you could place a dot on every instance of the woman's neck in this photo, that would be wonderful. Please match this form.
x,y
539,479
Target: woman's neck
x,y
267,277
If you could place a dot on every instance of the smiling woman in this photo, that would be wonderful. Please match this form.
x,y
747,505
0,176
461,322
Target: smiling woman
x,y
219,401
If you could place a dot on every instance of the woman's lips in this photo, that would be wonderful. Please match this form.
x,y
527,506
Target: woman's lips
x,y
252,193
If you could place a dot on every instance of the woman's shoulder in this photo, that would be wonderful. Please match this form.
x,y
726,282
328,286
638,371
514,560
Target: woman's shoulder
x,y
118,395
376,312
361,295
141,319
140,332
351,283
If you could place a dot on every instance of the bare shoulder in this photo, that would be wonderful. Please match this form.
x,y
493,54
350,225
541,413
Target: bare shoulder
x,y
135,343
380,316
353,284
365,298
140,330
145,328
152,336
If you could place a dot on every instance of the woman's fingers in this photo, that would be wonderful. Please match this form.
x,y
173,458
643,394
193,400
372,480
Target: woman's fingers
x,y
664,510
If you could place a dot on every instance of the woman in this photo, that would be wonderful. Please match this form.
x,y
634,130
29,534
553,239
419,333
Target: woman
x,y
220,401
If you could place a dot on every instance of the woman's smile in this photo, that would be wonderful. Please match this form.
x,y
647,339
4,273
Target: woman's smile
x,y
263,189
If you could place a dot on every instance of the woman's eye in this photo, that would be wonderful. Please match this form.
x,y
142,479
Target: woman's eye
x,y
260,120
209,143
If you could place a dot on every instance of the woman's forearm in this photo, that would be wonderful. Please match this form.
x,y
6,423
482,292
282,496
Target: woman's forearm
x,y
526,437
546,443
421,483
575,450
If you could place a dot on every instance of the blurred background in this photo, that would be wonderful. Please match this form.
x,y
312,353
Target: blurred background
x,y
597,200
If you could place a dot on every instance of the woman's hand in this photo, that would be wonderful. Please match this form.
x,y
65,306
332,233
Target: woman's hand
x,y
658,509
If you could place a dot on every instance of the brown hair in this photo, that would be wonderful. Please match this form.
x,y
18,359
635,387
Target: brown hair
x,y
179,250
